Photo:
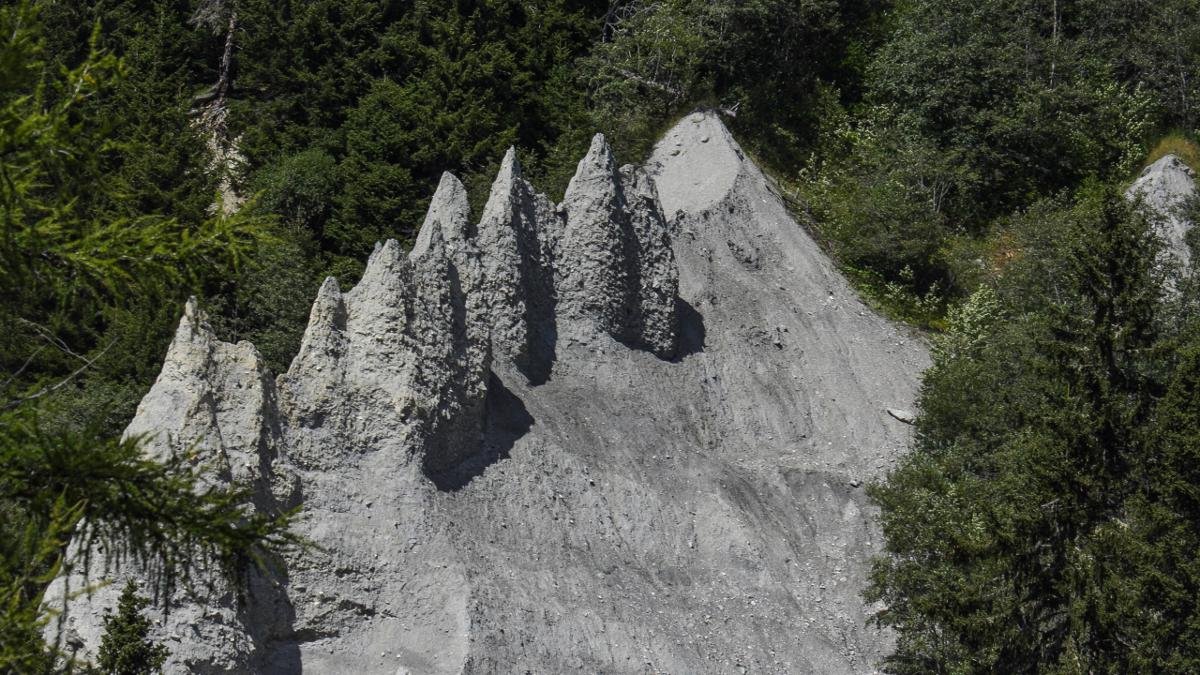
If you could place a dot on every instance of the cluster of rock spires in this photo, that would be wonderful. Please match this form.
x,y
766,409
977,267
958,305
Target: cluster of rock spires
x,y
569,437
414,341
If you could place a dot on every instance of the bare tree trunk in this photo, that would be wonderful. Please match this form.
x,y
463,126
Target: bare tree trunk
x,y
214,115
226,59
1053,41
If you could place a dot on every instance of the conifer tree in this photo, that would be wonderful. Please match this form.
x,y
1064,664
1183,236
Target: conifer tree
x,y
126,648
1051,484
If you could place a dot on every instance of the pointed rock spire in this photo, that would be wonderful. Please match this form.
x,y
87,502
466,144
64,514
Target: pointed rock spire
x,y
328,308
189,358
326,318
435,308
597,250
322,348
191,348
598,165
513,263
430,244
213,403
448,328
510,163
449,212
378,308
382,267
505,189
447,227
191,312
656,272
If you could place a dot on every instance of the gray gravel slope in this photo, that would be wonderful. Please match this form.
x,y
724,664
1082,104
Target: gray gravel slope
x,y
704,514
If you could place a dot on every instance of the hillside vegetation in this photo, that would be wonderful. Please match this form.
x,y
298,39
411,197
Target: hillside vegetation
x,y
963,162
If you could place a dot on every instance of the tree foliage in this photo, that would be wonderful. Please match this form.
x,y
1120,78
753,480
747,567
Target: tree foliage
x,y
125,648
83,257
952,155
760,58
1034,527
374,99
1027,95
970,111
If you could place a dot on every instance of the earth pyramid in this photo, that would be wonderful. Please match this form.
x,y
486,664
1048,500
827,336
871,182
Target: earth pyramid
x,y
625,433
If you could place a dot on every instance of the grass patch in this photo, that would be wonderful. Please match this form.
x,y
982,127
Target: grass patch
x,y
897,301
1181,144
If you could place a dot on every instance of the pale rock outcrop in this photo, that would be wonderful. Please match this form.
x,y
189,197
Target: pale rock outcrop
x,y
1165,188
456,351
214,404
516,240
615,270
595,284
656,274
361,401
350,387
451,214
583,437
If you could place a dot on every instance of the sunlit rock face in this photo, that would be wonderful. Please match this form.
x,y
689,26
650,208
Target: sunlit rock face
x,y
624,433
1166,187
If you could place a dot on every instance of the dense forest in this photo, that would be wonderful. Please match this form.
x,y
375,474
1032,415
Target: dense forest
x,y
963,162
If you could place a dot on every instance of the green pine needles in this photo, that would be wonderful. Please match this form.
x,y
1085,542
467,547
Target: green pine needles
x,y
1046,520
126,648
84,272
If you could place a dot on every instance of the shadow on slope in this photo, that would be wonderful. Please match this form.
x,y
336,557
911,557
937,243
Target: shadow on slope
x,y
691,336
506,421
270,619
691,330
538,362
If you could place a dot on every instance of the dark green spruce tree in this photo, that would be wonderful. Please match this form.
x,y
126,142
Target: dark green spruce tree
x,y
126,648
1045,521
